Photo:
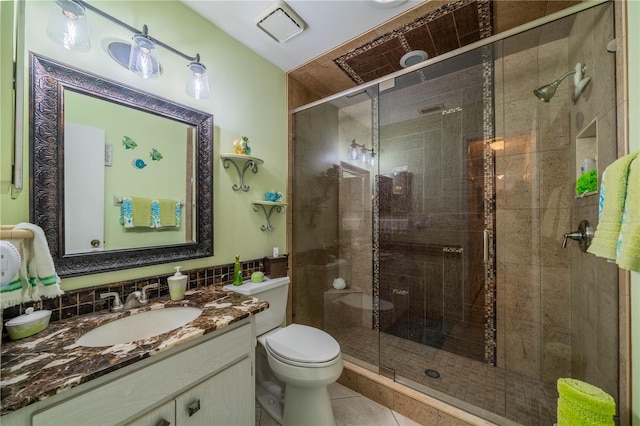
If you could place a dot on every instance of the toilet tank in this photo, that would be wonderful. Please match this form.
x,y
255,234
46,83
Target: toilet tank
x,y
274,291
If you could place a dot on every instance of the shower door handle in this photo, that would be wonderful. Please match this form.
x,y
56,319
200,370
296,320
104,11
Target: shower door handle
x,y
485,239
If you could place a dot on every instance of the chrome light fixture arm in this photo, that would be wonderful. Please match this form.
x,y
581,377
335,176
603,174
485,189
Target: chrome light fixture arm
x,y
136,31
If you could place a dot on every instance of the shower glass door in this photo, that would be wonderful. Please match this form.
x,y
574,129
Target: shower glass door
x,y
435,220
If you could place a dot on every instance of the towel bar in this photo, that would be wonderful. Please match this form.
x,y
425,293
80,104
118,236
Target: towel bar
x,y
117,200
8,233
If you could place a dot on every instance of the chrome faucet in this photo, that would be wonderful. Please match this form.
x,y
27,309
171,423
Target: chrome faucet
x,y
134,300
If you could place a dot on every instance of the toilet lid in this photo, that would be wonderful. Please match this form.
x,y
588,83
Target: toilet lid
x,y
302,343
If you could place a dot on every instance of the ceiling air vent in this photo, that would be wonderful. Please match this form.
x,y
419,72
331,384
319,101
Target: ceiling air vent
x,y
280,22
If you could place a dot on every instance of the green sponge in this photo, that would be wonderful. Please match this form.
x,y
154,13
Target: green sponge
x,y
587,182
583,404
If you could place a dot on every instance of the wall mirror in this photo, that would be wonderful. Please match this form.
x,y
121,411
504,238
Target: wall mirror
x,y
97,145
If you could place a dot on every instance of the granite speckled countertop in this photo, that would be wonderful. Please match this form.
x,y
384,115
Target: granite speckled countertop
x,y
49,362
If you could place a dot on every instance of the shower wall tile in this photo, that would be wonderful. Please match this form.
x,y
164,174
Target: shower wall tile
x,y
518,189
522,295
607,150
442,204
433,166
375,391
607,332
555,173
523,343
518,236
453,286
416,411
434,276
519,71
556,296
406,129
472,119
552,63
555,124
556,353
520,133
501,317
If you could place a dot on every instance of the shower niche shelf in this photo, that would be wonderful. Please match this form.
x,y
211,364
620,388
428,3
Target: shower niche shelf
x,y
587,154
268,207
242,163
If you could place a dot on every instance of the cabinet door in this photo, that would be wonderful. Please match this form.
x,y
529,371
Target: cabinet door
x,y
225,399
163,415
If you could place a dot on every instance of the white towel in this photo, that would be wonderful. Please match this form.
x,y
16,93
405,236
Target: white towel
x,y
37,267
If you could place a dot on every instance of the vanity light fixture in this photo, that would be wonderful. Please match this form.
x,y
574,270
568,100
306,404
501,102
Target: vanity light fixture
x,y
358,152
143,55
197,79
68,27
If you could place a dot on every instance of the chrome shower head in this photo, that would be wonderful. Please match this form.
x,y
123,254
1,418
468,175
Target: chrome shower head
x,y
546,92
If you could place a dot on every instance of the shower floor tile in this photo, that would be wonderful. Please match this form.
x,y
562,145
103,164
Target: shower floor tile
x,y
516,397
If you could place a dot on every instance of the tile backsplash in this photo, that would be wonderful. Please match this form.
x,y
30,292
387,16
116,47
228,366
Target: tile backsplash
x,y
87,300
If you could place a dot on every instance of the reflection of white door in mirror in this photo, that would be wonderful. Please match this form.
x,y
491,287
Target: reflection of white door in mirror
x,y
83,188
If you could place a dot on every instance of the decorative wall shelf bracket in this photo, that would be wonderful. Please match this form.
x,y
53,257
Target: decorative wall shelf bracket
x,y
268,208
242,163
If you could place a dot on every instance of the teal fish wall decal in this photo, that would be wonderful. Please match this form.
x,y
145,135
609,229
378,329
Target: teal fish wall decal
x,y
155,155
128,143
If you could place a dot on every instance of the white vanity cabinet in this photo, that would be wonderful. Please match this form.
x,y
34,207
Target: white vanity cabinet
x,y
215,370
220,400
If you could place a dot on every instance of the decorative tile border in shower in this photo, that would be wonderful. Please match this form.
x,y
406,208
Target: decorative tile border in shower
x,y
489,205
87,300
375,106
484,19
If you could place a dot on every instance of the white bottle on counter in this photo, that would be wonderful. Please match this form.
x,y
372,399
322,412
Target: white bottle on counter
x,y
177,284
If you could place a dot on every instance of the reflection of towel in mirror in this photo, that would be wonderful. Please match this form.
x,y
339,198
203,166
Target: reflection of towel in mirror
x,y
155,214
126,213
169,210
37,266
135,212
141,211
628,252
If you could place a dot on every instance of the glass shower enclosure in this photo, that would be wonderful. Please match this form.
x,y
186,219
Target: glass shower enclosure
x,y
428,215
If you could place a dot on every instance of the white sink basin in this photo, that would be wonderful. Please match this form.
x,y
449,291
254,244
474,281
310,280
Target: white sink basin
x,y
140,326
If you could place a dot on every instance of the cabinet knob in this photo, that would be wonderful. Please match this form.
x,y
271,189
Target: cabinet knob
x,y
163,422
194,407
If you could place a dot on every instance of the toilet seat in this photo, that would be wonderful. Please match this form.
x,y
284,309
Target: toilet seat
x,y
302,345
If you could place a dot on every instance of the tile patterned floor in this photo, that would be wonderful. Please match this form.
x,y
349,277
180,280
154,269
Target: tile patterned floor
x,y
350,409
515,397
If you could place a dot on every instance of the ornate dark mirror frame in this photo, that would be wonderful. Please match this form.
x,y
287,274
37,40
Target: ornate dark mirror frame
x,y
48,81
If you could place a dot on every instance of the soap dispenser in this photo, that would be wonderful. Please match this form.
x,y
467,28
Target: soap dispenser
x,y
177,284
237,272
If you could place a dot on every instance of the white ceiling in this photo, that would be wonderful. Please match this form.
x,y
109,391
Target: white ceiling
x,y
330,23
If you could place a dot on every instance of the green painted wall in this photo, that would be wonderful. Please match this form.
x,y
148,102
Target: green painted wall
x,y
633,40
248,99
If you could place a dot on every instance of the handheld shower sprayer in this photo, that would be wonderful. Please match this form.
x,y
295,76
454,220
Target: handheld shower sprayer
x,y
546,92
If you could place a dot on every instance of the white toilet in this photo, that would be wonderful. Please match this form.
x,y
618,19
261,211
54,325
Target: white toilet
x,y
294,364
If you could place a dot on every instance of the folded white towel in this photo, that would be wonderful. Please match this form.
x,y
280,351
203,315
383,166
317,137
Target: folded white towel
x,y
37,267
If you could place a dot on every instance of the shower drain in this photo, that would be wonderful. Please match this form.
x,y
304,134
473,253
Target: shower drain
x,y
432,373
